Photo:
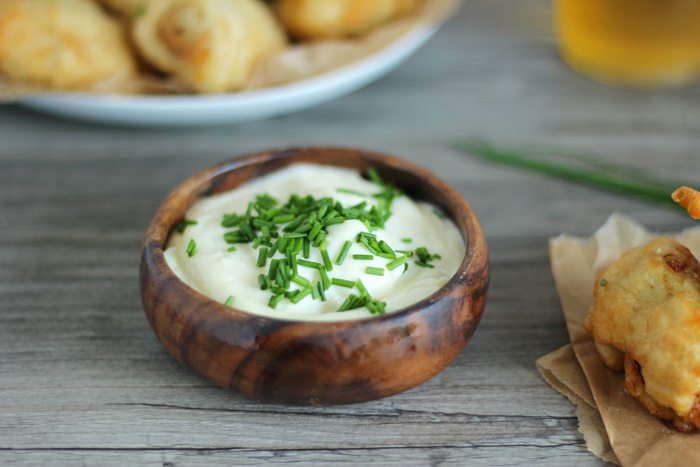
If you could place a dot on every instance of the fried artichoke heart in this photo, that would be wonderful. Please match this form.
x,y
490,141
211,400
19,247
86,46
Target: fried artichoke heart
x,y
326,19
209,45
62,44
646,319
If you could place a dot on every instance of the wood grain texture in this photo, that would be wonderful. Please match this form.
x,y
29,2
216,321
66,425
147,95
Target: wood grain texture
x,y
83,380
314,363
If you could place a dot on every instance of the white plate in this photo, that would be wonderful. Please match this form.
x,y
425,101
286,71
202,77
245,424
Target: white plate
x,y
172,111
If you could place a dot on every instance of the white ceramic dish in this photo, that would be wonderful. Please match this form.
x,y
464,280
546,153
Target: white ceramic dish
x,y
190,110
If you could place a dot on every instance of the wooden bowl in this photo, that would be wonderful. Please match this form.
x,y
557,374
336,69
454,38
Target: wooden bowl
x,y
314,363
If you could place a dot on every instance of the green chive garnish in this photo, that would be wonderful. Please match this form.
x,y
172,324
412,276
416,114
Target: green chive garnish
x,y
326,260
262,257
191,247
603,283
274,301
324,279
363,257
302,281
229,300
301,294
283,219
233,248
343,252
397,262
375,271
342,283
183,225
309,264
407,240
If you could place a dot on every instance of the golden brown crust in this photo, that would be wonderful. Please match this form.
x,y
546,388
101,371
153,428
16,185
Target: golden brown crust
x,y
209,45
689,199
62,44
327,19
647,305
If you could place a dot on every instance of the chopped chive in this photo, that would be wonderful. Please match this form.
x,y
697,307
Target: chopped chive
x,y
183,225
603,283
229,300
374,176
302,281
273,248
304,228
262,257
315,230
293,261
191,247
343,252
283,219
307,248
298,245
386,248
283,245
375,271
274,264
231,220
301,294
264,282
351,192
397,262
346,304
309,264
262,223
323,245
233,248
294,235
362,257
274,301
326,260
250,233
342,283
335,220
321,291
324,279
381,254
407,240
438,213
314,292
361,287
423,264
258,241
405,252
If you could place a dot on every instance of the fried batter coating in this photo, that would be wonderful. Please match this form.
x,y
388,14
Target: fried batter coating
x,y
210,45
647,307
62,44
689,199
326,19
130,8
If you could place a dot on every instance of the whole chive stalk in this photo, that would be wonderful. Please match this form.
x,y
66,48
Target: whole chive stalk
x,y
622,180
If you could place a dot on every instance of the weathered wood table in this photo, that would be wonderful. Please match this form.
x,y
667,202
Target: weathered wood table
x,y
83,380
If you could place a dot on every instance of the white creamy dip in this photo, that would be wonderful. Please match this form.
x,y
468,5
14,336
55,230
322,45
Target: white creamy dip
x,y
220,274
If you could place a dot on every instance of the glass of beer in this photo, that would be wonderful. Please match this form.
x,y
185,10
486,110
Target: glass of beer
x,y
631,43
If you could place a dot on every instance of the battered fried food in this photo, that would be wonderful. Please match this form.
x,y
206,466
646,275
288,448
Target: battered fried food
x,y
61,44
323,19
130,8
689,199
210,45
647,308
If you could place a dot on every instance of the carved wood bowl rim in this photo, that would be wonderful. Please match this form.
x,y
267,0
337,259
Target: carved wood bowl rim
x,y
161,288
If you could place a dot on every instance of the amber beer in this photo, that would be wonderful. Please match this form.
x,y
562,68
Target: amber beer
x,y
633,43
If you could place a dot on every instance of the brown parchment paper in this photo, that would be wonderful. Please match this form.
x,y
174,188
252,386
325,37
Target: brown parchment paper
x,y
623,431
300,61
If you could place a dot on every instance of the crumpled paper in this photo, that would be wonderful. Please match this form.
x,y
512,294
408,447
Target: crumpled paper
x,y
615,426
301,61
